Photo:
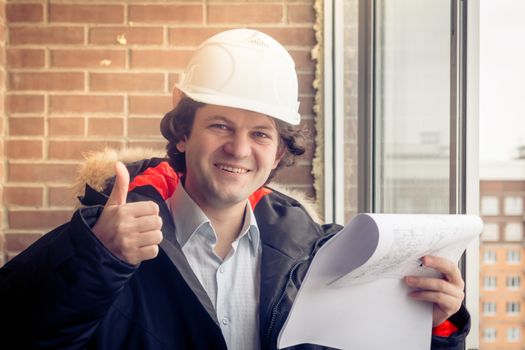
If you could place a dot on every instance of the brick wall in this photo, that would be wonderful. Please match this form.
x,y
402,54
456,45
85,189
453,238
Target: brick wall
x,y
84,75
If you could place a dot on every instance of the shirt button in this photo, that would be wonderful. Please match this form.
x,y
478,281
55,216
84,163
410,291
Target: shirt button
x,y
225,321
221,269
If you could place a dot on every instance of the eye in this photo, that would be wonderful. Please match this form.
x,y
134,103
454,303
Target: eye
x,y
261,135
220,127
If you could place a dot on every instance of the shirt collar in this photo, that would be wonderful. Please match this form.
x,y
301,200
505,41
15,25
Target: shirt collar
x,y
189,218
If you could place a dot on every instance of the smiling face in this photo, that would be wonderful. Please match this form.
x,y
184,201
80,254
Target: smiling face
x,y
229,154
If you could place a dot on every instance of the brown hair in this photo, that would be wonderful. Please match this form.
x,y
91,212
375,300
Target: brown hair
x,y
177,125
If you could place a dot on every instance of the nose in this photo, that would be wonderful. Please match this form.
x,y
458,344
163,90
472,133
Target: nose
x,y
238,146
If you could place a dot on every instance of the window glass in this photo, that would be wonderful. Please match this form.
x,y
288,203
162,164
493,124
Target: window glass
x,y
512,307
513,256
513,334
489,205
513,232
412,106
489,308
513,282
489,257
489,334
513,205
489,282
490,232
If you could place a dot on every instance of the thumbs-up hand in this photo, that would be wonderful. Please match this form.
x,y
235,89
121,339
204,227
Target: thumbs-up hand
x,y
131,231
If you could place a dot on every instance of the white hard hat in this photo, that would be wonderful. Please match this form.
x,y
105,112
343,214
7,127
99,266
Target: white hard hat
x,y
244,68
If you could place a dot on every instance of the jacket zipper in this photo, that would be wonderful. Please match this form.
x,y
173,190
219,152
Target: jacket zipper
x,y
276,306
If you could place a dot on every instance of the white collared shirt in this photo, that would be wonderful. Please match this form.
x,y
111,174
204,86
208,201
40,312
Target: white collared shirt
x,y
232,284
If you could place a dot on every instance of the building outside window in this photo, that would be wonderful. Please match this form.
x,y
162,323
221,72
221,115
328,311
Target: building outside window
x,y
513,256
489,205
490,232
513,282
512,308
513,334
489,334
489,282
489,308
489,257
514,232
513,205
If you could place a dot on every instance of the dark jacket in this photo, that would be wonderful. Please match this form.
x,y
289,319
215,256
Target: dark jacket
x,y
67,291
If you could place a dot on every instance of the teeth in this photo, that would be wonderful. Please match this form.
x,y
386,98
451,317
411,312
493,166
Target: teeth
x,y
232,169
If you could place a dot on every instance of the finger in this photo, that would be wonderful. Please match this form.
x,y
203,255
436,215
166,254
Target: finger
x,y
148,252
149,238
446,302
146,223
139,209
120,187
436,285
446,267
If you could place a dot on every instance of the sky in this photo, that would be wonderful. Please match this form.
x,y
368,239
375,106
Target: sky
x,y
502,78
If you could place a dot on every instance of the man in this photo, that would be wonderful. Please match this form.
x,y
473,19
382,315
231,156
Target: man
x,y
194,252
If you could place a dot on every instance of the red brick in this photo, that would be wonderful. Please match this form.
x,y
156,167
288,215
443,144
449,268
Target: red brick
x,y
144,127
24,149
88,58
305,83
24,12
105,126
303,60
86,104
61,196
37,219
173,78
150,105
31,172
126,82
297,175
25,103
91,13
25,58
159,59
131,35
24,196
166,13
76,150
306,105
30,126
65,126
245,13
292,35
159,145
299,13
191,36
48,81
46,35
20,241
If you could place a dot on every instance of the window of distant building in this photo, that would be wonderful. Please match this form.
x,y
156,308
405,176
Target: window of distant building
x,y
513,256
513,334
512,308
489,308
489,334
490,232
513,205
489,282
489,205
513,282
514,232
489,257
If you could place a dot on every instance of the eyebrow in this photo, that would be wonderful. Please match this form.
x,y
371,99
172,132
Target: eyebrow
x,y
221,118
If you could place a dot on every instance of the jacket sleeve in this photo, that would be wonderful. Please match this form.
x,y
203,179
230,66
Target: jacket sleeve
x,y
54,294
455,341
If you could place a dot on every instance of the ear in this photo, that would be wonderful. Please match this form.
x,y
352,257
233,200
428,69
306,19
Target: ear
x,y
176,96
181,145
279,155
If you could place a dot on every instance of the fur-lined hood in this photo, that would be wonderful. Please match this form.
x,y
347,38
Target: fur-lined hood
x,y
100,166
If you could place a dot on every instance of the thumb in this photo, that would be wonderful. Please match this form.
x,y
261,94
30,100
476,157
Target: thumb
x,y
120,187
